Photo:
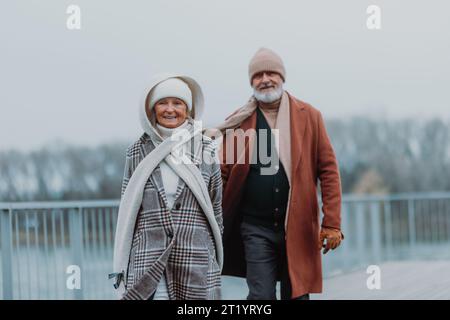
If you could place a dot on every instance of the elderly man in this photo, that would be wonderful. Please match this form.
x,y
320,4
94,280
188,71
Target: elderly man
x,y
271,217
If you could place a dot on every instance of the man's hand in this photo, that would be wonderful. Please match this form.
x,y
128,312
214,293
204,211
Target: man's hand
x,y
333,237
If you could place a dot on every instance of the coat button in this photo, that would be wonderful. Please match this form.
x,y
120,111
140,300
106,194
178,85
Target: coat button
x,y
170,235
277,190
178,206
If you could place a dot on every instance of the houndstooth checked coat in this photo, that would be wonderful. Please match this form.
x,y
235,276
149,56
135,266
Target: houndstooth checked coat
x,y
189,261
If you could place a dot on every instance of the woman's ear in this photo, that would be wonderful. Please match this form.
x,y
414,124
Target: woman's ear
x,y
149,112
151,115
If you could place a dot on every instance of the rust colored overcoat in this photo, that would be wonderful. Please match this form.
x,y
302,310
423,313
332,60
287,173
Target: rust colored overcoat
x,y
313,159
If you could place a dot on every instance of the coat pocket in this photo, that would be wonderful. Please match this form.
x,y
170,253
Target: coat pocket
x,y
199,260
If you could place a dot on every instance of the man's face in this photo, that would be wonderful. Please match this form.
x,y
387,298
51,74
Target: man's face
x,y
267,86
266,81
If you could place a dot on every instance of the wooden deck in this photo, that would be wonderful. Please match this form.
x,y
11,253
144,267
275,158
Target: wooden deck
x,y
399,280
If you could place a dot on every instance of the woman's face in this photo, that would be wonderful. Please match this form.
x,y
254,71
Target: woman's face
x,y
170,112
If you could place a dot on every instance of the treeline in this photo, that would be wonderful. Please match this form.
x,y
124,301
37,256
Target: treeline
x,y
61,172
385,156
375,156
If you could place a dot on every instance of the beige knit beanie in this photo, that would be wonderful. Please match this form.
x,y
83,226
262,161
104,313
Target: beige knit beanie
x,y
266,60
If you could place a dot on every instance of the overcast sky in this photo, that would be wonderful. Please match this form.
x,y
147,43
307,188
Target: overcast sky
x,y
83,86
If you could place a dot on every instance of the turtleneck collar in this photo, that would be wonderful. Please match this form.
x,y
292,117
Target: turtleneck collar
x,y
270,107
270,112
167,132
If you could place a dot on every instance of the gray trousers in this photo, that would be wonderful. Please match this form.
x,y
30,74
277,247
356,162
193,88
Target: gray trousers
x,y
265,254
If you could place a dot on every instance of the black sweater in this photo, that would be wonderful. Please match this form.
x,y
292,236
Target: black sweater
x,y
265,196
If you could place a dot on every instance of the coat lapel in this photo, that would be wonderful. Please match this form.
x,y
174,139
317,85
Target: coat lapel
x,y
155,177
298,128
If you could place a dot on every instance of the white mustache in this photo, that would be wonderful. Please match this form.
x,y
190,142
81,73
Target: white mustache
x,y
267,86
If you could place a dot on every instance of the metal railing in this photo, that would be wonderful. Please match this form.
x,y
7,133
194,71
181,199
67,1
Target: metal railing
x,y
392,227
41,240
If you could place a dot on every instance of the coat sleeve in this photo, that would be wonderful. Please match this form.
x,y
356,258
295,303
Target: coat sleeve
x,y
215,189
330,183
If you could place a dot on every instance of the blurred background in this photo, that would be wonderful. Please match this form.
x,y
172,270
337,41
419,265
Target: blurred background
x,y
69,101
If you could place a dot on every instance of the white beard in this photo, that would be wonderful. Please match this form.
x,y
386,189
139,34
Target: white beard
x,y
268,97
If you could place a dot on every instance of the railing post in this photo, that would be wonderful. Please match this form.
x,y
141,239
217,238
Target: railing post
x,y
376,231
346,255
76,245
411,223
360,232
388,228
6,251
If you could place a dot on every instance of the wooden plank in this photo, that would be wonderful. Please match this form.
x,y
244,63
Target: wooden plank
x,y
399,280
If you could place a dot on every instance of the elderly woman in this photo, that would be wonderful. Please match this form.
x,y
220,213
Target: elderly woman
x,y
168,243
